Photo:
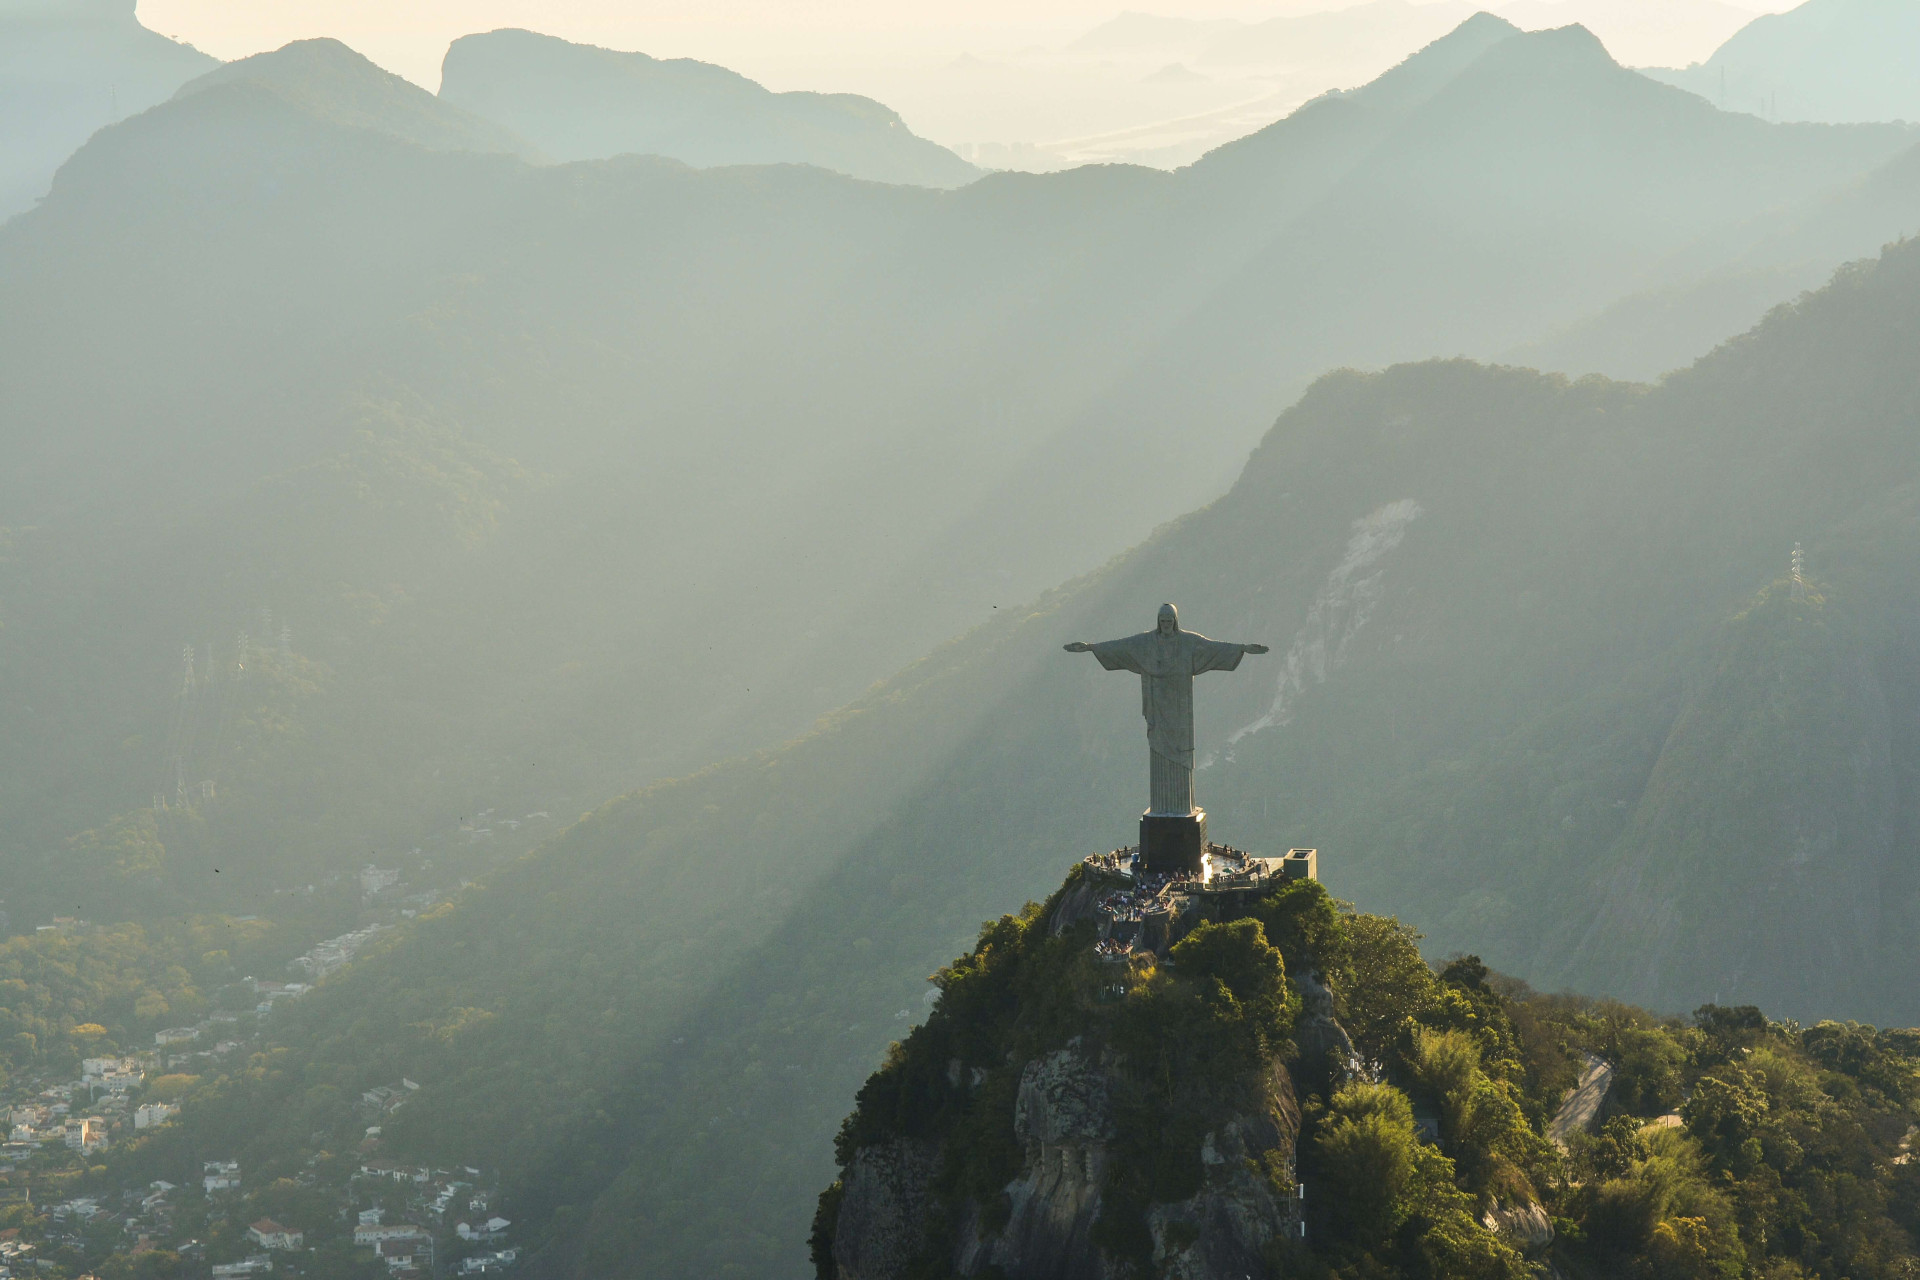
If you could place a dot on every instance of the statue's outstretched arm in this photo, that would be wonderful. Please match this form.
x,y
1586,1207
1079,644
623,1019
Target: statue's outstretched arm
x,y
1253,648
1078,646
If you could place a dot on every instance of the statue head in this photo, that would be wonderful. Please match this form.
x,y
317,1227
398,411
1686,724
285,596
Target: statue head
x,y
1169,620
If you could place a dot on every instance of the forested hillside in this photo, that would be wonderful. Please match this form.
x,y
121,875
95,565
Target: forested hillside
x,y
1535,652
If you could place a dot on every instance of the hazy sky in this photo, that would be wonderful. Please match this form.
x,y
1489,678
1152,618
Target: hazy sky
x,y
960,71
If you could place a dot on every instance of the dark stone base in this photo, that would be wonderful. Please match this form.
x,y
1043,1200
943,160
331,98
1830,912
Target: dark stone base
x,y
1171,844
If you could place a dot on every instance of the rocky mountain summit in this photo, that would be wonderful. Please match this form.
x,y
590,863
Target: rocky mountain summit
x,y
1235,1076
1111,1084
1057,1057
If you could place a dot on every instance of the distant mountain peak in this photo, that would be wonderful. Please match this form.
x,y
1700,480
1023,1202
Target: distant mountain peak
x,y
1572,40
1479,24
1176,73
1424,72
1558,62
330,80
584,102
301,64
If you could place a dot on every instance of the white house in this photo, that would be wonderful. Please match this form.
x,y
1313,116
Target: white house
x,y
269,1234
256,1265
221,1175
491,1229
410,1251
115,1074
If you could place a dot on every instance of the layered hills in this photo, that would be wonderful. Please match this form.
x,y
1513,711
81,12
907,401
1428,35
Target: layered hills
x,y
1540,676
580,102
366,475
324,301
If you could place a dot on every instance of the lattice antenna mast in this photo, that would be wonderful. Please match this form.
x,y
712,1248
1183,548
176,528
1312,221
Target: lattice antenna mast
x,y
1799,566
181,724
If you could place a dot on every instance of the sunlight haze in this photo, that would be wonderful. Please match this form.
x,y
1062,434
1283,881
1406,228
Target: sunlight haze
x,y
960,639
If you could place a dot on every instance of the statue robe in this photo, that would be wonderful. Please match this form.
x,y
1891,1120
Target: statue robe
x,y
1166,666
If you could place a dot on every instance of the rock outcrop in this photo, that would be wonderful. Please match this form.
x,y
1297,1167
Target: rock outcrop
x,y
1076,1111
883,1202
1228,1228
1322,1040
1525,1226
1064,1117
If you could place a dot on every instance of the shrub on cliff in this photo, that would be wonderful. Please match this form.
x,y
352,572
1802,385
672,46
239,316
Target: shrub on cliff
x,y
1218,1008
1392,1205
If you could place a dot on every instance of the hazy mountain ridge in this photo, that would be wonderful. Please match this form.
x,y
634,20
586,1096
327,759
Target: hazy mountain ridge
x,y
580,102
326,79
734,376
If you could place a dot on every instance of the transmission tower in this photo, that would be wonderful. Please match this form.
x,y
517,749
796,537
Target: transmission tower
x,y
180,732
1799,565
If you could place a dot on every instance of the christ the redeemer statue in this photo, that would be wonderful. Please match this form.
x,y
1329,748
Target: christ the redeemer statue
x,y
1173,830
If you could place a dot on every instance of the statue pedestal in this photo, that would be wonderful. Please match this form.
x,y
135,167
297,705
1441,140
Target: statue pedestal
x,y
1171,843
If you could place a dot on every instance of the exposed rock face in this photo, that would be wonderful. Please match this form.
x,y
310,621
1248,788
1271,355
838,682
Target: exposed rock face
x,y
885,1203
1525,1226
1075,904
1233,1218
1319,1034
1064,1114
1086,1111
1065,1098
